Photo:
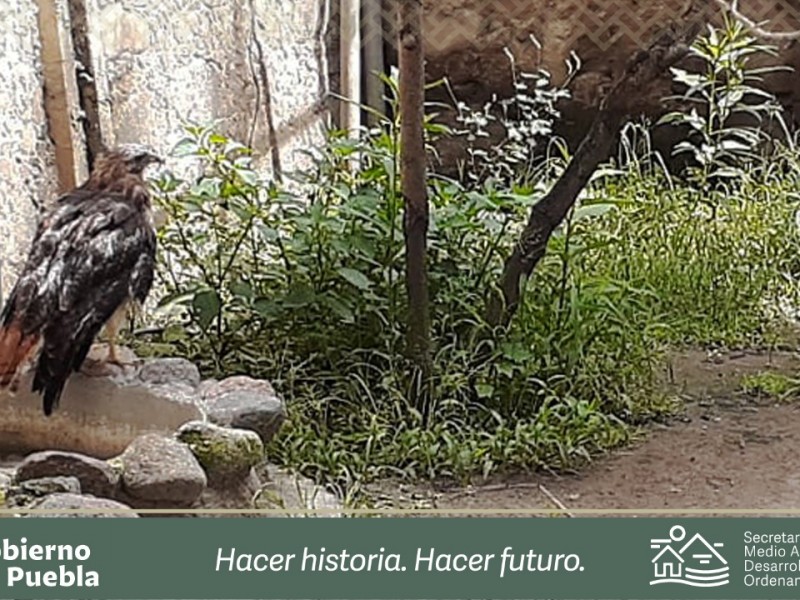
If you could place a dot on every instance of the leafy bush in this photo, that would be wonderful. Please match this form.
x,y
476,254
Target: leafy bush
x,y
526,118
730,108
308,292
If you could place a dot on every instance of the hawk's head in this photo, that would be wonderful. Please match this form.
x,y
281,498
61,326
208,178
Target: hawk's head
x,y
136,157
115,167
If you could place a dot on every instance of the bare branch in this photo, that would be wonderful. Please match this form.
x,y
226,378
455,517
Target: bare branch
x,y
778,36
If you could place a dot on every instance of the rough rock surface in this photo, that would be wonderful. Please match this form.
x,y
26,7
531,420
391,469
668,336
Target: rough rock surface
x,y
231,492
67,501
192,462
158,471
222,451
245,403
26,493
96,477
228,457
27,168
289,490
102,410
169,371
145,59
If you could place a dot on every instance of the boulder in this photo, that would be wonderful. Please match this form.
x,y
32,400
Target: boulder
x,y
231,492
103,408
147,433
222,451
228,457
69,501
245,403
160,472
96,477
169,371
26,493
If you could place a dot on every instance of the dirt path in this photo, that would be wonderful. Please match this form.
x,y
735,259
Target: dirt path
x,y
724,451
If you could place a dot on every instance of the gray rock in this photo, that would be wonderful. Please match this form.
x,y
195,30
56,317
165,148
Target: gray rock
x,y
97,477
6,478
26,493
231,492
158,471
75,501
164,371
289,490
103,409
246,403
228,457
222,451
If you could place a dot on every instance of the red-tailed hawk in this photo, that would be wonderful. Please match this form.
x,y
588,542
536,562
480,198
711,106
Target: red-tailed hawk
x,y
92,255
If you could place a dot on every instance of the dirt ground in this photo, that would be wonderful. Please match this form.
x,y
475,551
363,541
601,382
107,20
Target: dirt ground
x,y
725,450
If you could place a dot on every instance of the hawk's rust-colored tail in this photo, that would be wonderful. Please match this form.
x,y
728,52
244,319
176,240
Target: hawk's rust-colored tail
x,y
15,350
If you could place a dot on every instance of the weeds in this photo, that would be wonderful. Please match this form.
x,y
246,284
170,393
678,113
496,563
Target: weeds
x,y
771,385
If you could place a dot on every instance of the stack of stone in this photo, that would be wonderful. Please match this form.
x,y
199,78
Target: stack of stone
x,y
216,460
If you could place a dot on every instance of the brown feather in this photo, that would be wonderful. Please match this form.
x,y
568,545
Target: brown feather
x,y
15,351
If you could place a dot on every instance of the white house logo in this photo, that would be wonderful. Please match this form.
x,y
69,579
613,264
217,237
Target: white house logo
x,y
695,562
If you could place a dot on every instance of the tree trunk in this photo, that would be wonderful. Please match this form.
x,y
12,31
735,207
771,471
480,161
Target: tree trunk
x,y
596,147
413,163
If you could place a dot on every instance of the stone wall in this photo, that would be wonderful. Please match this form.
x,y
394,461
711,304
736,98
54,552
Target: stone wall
x,y
27,168
158,63
136,71
254,66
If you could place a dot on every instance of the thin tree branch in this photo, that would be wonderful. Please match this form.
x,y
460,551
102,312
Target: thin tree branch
x,y
778,36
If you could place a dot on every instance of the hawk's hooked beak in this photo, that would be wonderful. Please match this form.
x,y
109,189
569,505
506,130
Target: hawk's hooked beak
x,y
153,159
148,159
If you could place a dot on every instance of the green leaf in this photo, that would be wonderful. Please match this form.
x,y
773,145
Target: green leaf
x,y
592,210
174,333
484,390
516,352
299,296
206,187
356,278
248,176
269,234
207,305
242,289
216,138
340,309
233,146
186,147
266,308
178,297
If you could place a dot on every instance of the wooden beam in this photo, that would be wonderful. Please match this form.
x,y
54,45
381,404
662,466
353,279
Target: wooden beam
x,y
350,58
374,57
56,94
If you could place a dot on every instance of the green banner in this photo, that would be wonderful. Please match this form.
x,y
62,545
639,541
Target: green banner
x,y
404,558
